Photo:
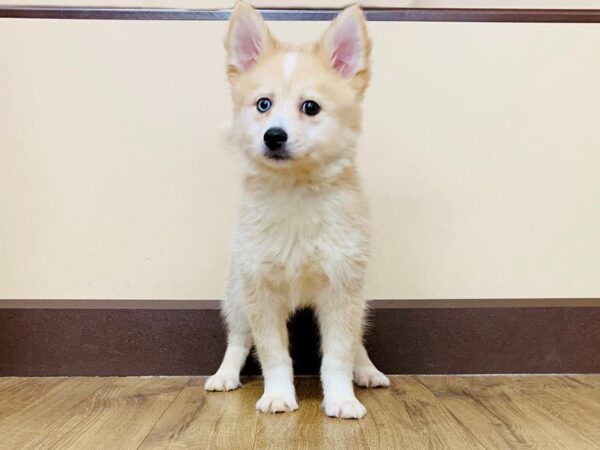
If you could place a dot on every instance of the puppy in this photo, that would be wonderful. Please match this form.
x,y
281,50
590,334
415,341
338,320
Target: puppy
x,y
302,238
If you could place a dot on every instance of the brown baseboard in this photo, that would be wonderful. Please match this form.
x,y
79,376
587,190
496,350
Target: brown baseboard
x,y
78,338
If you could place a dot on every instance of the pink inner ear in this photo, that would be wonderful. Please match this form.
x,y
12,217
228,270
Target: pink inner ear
x,y
345,57
247,44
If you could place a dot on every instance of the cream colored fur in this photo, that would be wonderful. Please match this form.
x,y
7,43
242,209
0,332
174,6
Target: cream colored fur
x,y
302,235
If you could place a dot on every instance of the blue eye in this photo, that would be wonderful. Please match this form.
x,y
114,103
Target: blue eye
x,y
263,104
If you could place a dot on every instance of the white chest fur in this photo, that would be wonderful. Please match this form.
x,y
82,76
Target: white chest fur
x,y
300,238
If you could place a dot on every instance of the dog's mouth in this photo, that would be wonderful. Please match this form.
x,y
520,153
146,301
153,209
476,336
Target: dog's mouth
x,y
278,155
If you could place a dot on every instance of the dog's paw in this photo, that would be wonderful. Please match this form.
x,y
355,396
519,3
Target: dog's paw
x,y
370,377
349,408
223,382
275,402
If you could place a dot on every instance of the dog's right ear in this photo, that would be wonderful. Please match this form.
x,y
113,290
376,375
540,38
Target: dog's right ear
x,y
247,39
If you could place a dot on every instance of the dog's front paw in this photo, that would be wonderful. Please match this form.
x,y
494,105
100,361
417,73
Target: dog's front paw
x,y
349,408
370,377
275,402
223,381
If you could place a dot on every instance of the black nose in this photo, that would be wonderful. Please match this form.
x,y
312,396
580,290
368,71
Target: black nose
x,y
274,138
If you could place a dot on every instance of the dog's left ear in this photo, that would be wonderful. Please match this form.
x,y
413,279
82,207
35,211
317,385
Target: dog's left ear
x,y
347,47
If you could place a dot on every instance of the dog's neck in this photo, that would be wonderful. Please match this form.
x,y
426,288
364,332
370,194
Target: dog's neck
x,y
321,179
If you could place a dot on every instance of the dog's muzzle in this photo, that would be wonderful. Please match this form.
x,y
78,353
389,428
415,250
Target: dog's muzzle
x,y
275,139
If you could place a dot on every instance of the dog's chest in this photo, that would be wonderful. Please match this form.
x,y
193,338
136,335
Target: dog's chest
x,y
292,236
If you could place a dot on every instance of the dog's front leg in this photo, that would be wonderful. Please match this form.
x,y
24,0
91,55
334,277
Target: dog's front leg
x,y
340,313
268,313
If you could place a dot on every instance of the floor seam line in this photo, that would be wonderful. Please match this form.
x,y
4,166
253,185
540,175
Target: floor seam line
x,y
163,413
462,425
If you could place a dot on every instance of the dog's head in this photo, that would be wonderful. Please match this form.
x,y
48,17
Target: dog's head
x,y
297,107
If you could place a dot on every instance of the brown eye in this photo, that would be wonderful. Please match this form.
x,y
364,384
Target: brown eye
x,y
310,108
263,104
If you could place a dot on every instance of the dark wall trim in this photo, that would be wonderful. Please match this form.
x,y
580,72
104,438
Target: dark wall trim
x,y
373,14
402,340
376,304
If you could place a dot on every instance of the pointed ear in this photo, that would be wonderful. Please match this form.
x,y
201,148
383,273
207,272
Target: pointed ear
x,y
247,39
346,44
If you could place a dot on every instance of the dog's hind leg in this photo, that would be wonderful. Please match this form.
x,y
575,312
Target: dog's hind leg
x,y
365,373
239,340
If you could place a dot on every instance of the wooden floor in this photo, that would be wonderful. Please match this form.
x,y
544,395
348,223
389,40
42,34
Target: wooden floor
x,y
493,412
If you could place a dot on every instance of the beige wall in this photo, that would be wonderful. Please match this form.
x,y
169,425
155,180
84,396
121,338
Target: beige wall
x,y
480,156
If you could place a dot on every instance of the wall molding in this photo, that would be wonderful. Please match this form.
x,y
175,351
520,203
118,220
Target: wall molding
x,y
78,338
307,14
375,303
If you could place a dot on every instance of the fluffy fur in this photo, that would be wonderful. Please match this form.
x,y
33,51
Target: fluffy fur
x,y
302,235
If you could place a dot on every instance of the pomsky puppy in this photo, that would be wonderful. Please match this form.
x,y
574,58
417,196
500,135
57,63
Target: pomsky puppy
x,y
302,238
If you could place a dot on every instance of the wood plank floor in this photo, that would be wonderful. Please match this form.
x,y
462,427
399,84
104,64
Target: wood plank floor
x,y
416,412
